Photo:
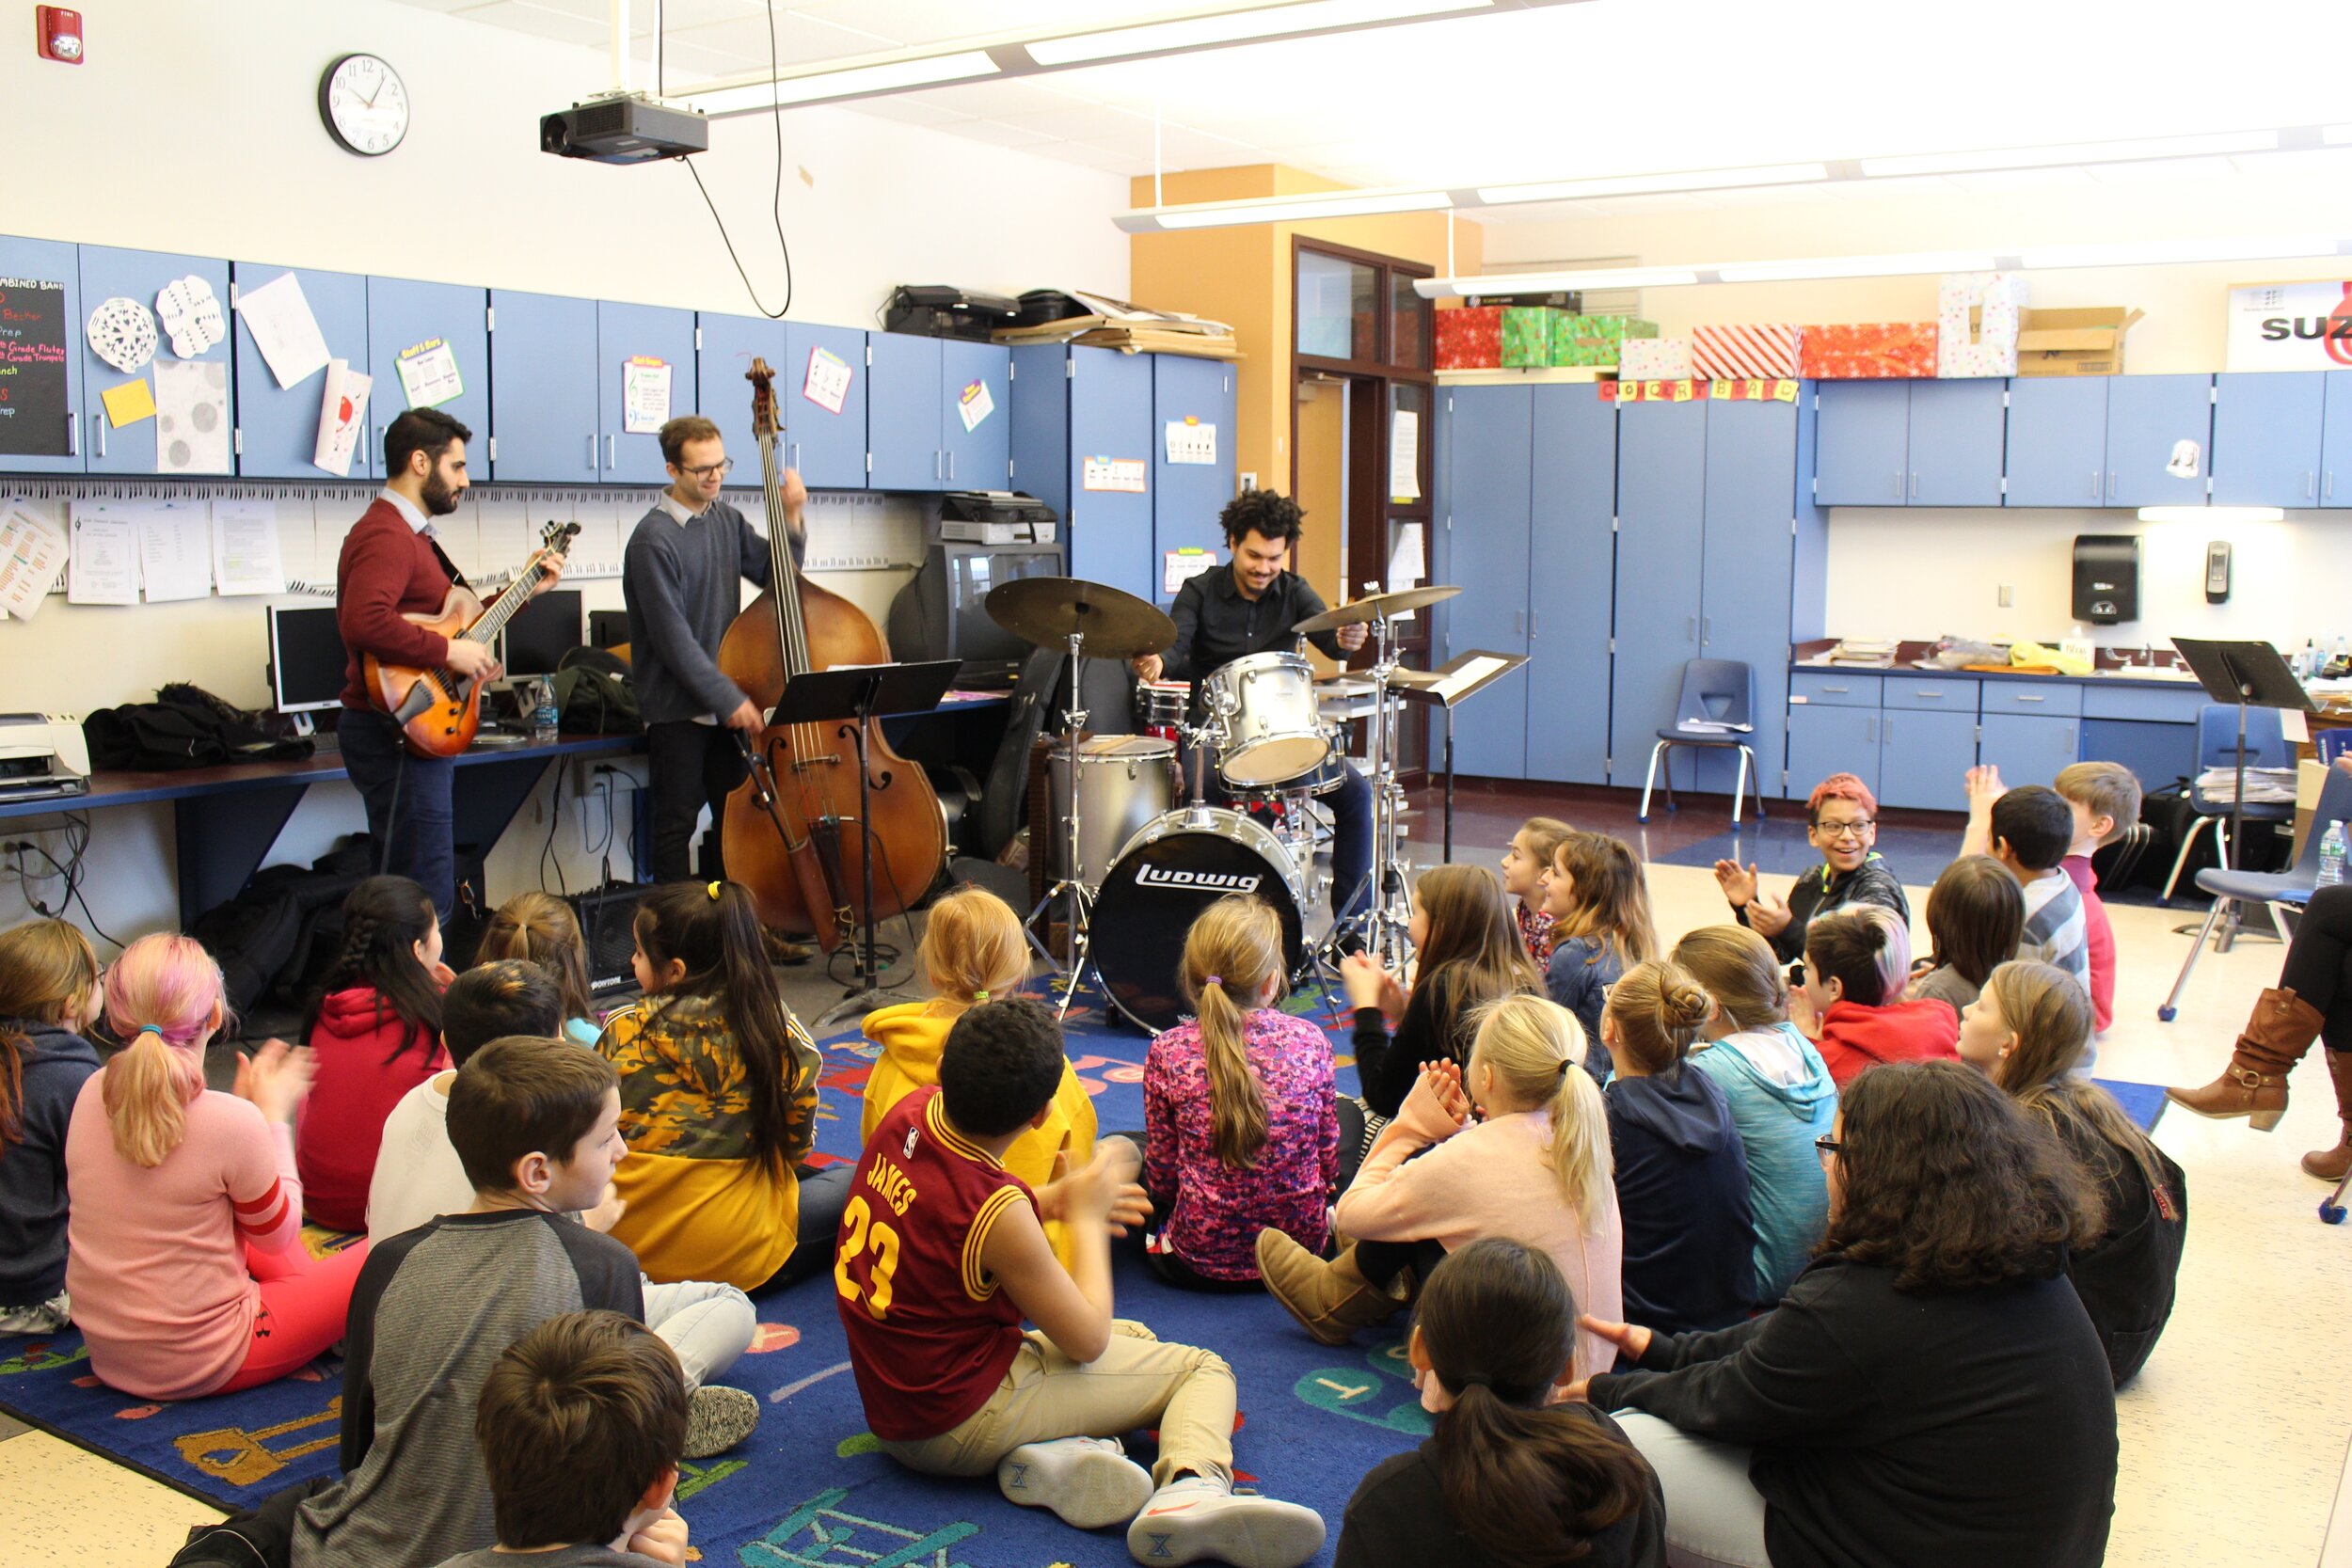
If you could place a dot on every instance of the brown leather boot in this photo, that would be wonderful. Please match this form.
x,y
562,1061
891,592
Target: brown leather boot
x,y
1331,1301
2254,1084
2329,1165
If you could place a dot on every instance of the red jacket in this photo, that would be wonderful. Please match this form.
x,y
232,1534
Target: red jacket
x,y
387,569
343,1122
2098,937
1854,1036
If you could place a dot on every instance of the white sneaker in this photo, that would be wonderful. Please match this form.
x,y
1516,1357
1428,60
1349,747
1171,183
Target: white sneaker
x,y
1089,1481
1194,1517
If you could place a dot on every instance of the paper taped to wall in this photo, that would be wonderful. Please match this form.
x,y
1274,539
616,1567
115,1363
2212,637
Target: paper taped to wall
x,y
279,315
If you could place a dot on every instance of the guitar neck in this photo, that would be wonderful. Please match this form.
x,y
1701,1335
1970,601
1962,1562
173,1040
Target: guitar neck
x,y
504,608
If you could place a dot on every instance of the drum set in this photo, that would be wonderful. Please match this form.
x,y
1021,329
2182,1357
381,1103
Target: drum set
x,y
1136,864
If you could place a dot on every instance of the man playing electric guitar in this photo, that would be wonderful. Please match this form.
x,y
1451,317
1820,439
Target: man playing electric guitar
x,y
391,567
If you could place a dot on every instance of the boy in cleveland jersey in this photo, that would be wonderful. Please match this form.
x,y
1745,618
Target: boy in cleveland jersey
x,y
943,1256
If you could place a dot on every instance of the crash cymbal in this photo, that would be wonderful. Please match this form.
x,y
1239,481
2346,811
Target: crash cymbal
x,y
1378,607
1046,610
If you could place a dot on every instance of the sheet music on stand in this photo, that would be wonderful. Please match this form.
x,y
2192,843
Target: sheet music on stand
x,y
1453,683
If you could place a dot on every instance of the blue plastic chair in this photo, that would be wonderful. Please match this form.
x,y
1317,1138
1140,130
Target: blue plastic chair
x,y
1715,692
2283,893
2216,747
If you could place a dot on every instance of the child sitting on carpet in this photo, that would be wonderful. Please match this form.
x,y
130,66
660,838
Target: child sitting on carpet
x,y
1599,903
49,997
941,1258
973,949
581,1424
718,1101
1850,1002
1508,1476
375,1026
185,1262
1242,1132
1523,866
1681,1171
541,928
536,1124
2103,797
1535,1170
1975,917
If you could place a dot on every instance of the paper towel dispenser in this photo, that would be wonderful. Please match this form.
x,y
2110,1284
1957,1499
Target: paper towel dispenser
x,y
2106,578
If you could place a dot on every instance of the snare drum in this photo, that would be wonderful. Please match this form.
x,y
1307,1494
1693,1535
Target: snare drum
x,y
1170,872
1160,706
1125,782
1269,727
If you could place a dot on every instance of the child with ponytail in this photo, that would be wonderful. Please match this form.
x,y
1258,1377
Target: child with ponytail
x,y
49,996
718,1102
1600,905
1682,1172
1535,1171
1242,1132
1508,1477
974,950
1523,866
541,928
186,1265
375,1029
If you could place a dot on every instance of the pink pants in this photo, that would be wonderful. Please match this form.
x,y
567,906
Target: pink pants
x,y
305,1300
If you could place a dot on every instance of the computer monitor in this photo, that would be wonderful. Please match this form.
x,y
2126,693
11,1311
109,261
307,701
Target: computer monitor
x,y
542,632
971,573
307,659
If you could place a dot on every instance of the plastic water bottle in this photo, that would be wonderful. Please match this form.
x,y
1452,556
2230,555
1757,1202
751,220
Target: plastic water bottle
x,y
544,726
2331,850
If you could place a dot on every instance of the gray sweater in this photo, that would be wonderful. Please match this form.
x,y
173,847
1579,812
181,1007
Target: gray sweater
x,y
679,582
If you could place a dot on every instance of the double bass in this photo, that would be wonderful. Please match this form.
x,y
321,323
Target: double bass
x,y
791,834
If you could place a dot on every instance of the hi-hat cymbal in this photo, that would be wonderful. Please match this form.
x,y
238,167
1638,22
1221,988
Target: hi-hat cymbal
x,y
1047,611
1377,607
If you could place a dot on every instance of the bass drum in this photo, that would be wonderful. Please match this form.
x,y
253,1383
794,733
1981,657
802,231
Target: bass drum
x,y
1167,875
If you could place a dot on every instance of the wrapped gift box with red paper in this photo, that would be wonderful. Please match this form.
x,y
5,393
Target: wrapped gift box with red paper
x,y
1869,351
1470,338
1762,351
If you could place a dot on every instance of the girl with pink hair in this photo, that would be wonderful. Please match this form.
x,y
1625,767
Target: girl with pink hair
x,y
186,1266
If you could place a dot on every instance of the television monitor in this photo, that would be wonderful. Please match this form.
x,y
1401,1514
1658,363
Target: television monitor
x,y
307,659
972,571
542,632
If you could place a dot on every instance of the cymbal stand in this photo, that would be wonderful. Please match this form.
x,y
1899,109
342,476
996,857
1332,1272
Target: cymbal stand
x,y
1079,915
1384,920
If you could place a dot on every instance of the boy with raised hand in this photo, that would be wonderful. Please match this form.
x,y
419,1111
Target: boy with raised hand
x,y
943,1255
580,1424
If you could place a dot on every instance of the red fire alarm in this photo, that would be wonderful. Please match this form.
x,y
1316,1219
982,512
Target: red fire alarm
x,y
61,32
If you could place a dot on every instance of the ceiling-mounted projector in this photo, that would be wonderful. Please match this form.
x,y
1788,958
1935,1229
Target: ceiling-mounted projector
x,y
632,128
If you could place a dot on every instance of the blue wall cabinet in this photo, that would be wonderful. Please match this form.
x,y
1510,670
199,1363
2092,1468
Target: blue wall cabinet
x,y
1568,589
1189,497
277,427
725,347
626,332
1924,758
141,274
1662,506
902,413
2147,416
976,455
2266,439
2335,445
404,314
1825,739
1863,457
2057,441
828,447
1487,518
60,262
1069,405
2026,749
1746,573
1956,432
542,390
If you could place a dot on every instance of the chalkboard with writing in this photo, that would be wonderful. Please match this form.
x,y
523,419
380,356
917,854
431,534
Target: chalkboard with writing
x,y
34,411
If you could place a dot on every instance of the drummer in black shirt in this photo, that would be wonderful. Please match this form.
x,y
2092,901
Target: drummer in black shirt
x,y
1250,608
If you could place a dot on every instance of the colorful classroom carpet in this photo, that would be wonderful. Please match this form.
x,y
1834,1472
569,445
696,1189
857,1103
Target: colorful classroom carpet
x,y
809,1489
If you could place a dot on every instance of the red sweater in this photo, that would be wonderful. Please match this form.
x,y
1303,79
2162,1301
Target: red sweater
x,y
1854,1036
387,569
2098,937
343,1122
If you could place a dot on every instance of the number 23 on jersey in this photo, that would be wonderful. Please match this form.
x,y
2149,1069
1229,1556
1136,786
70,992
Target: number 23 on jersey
x,y
869,1239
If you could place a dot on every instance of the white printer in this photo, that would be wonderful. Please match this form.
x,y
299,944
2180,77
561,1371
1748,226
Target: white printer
x,y
41,754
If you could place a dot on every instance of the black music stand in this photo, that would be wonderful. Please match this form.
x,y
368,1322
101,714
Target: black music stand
x,y
2243,674
849,696
1446,685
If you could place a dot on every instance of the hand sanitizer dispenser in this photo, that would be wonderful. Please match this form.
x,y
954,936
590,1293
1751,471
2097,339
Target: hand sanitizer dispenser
x,y
2106,578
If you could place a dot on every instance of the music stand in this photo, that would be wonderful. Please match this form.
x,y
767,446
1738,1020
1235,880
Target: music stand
x,y
1459,678
2243,674
849,696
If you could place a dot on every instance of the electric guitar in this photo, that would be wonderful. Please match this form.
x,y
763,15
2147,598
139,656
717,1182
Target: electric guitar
x,y
439,710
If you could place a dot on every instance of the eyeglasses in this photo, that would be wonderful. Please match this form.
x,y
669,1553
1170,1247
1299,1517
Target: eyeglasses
x,y
1827,1144
1857,829
720,468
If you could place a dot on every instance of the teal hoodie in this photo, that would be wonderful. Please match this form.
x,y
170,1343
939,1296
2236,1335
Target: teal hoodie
x,y
1788,1195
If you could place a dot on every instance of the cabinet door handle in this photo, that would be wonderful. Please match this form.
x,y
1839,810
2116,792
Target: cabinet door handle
x,y
98,422
1692,635
951,465
2311,486
1706,629
1870,728
1915,484
2110,484
2094,485
2031,696
612,454
73,436
1898,484
939,466
795,464
1841,690
1928,696
592,451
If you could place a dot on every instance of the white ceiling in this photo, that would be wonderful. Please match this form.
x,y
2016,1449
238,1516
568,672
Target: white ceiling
x,y
1610,86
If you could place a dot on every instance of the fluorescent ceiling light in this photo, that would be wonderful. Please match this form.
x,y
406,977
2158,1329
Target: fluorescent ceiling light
x,y
1303,209
1651,184
2147,252
1557,282
1993,158
1856,266
859,81
2208,515
2336,136
1267,22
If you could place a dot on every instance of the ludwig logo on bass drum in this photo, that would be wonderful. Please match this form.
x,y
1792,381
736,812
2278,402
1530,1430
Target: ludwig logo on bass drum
x,y
1220,881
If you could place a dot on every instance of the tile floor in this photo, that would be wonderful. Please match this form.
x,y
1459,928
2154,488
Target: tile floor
x,y
2234,1438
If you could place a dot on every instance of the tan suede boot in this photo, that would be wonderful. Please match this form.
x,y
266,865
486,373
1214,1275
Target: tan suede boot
x,y
2329,1165
2255,1083
1331,1301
